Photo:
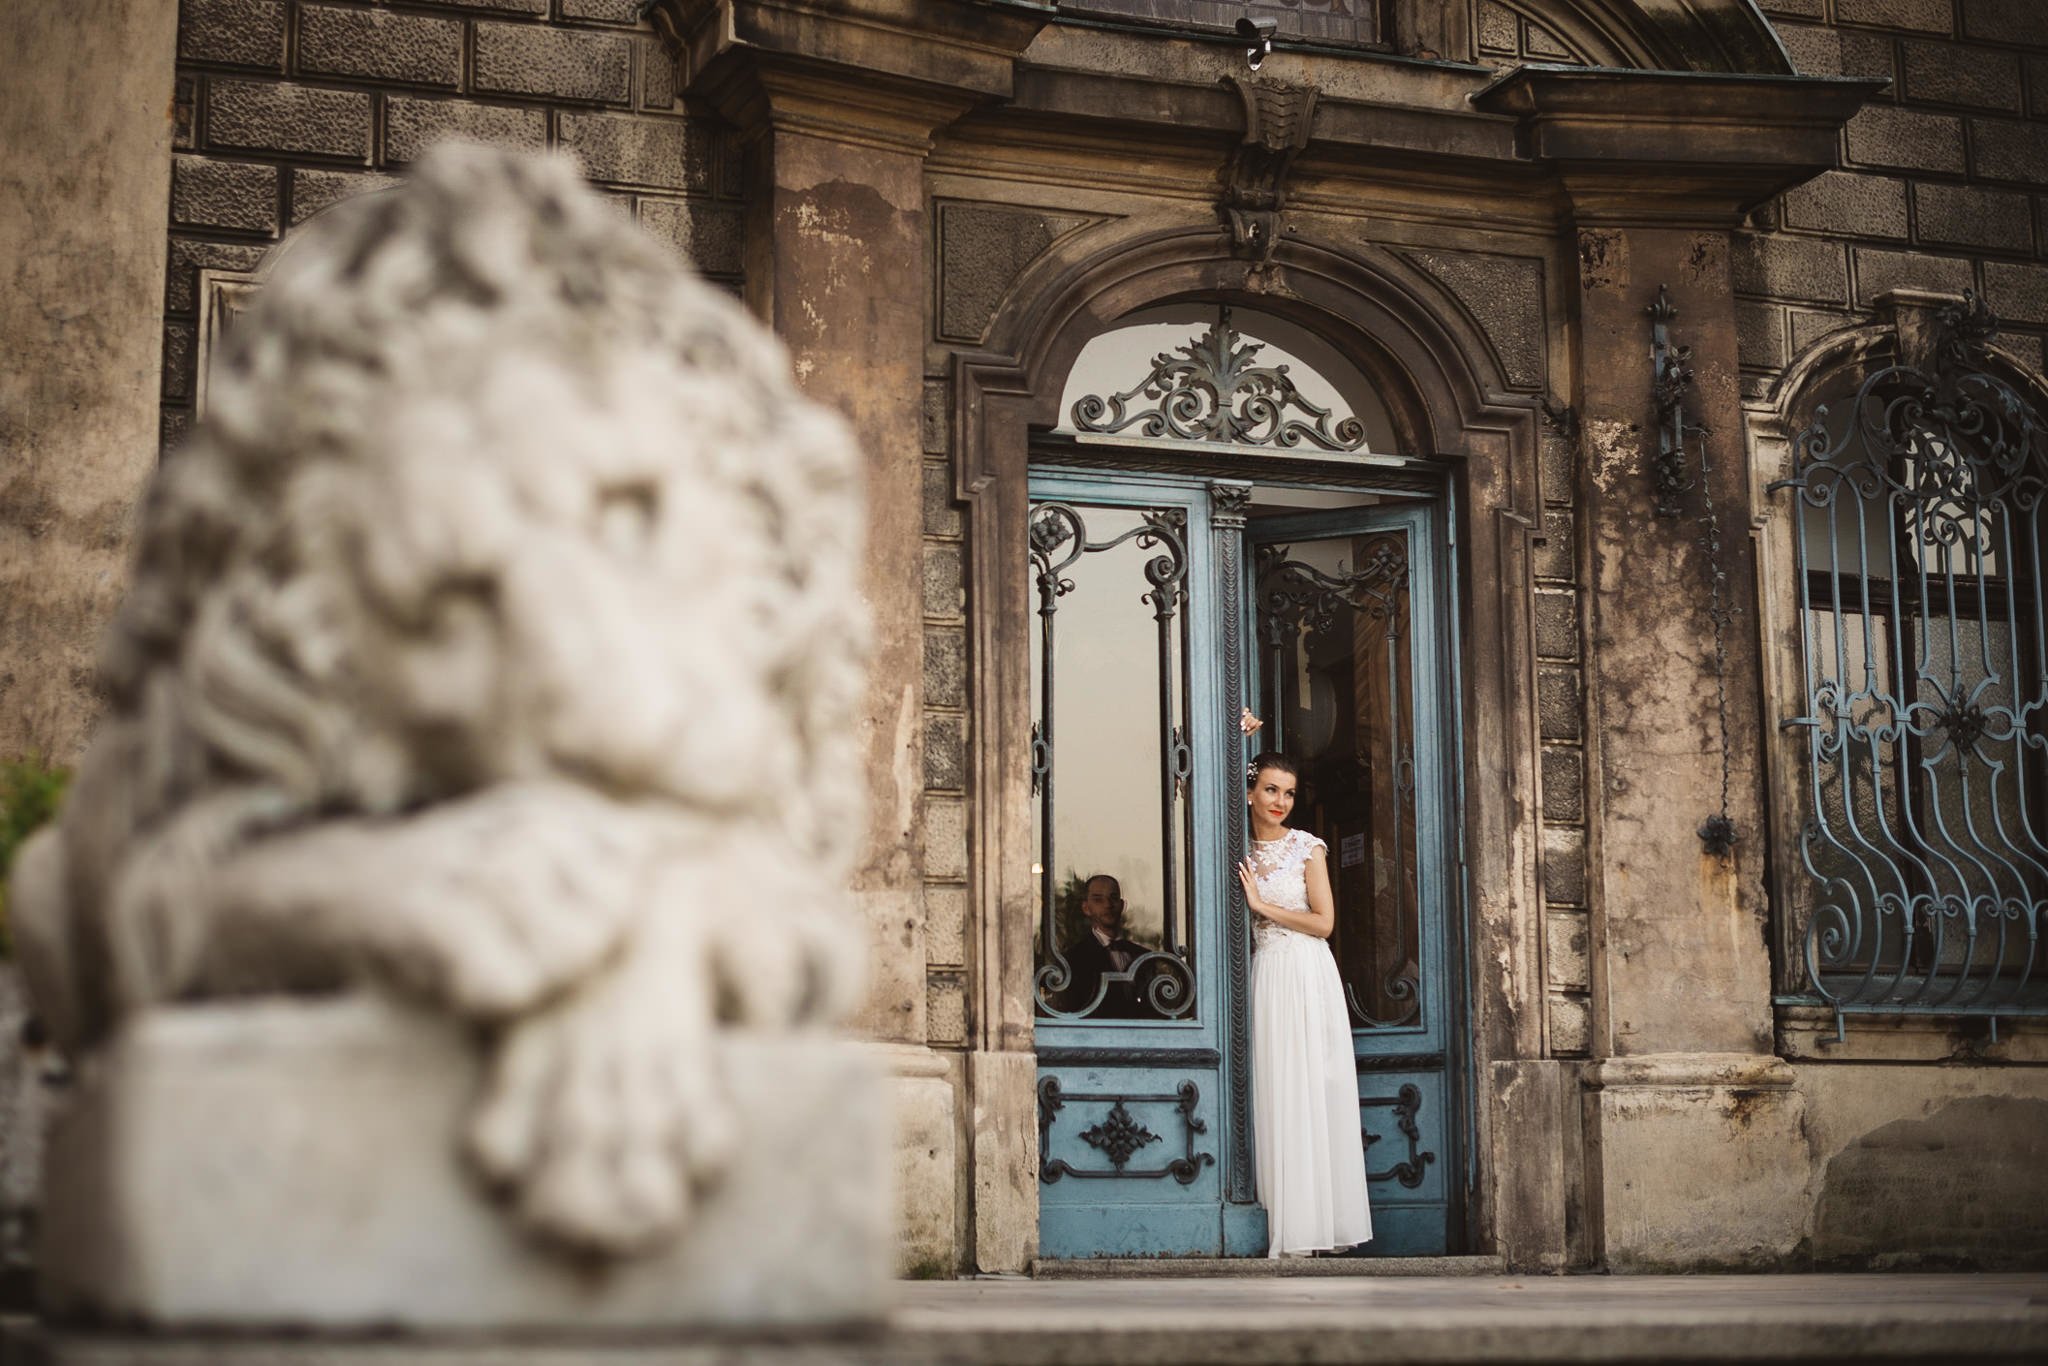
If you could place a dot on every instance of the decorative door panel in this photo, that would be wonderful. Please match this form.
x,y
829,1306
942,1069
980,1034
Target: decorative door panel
x,y
1128,1162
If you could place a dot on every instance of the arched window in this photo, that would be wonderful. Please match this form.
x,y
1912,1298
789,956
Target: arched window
x,y
1921,876
1216,375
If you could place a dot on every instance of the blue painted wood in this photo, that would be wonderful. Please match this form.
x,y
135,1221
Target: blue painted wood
x,y
1420,1219
1088,1207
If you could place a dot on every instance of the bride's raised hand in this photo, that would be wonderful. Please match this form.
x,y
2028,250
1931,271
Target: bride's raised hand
x,y
1247,722
1250,880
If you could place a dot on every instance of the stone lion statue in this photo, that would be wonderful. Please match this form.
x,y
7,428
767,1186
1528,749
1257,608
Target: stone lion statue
x,y
495,641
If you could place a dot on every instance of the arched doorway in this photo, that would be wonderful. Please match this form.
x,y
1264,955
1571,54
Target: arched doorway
x,y
1225,516
1460,439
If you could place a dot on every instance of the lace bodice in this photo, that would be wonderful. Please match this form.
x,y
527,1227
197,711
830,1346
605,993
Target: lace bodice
x,y
1280,868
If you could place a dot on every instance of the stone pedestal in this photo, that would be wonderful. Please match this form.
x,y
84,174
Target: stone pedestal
x,y
279,1164
1698,1161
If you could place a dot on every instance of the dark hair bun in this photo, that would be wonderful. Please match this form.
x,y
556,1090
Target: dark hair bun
x,y
1271,758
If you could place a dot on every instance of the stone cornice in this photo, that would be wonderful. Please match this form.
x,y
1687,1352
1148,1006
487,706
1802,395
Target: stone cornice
x,y
1621,146
881,72
1654,146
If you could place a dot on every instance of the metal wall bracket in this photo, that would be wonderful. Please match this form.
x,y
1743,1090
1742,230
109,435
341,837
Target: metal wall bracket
x,y
1672,367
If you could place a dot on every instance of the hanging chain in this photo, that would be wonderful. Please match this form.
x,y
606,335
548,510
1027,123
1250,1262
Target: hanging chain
x,y
1717,832
1671,383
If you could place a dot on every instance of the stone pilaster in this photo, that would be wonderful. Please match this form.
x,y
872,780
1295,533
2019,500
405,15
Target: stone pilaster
x,y
1680,930
1685,1108
84,192
837,112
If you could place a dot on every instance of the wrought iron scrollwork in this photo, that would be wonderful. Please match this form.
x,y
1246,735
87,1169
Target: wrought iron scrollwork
x,y
1210,389
1119,1136
1406,1105
1300,596
1295,597
1918,513
1159,982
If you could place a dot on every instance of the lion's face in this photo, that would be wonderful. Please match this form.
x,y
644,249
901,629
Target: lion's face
x,y
532,504
572,583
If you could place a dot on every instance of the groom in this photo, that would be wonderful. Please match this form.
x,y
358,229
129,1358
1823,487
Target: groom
x,y
1102,949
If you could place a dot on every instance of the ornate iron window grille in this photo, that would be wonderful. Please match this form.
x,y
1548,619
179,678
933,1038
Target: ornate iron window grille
x,y
1162,979
1917,518
1210,390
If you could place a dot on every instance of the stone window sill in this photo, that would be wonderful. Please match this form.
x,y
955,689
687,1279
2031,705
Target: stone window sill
x,y
1807,1034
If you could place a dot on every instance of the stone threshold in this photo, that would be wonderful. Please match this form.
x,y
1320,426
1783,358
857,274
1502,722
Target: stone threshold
x,y
1131,1268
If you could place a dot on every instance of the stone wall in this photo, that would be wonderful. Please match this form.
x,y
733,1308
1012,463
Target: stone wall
x,y
81,251
285,106
1925,1165
1561,723
947,1021
1941,181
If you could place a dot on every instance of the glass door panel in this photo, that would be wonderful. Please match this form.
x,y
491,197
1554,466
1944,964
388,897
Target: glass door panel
x,y
1337,692
1111,760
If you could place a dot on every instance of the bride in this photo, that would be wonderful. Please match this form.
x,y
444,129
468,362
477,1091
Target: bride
x,y
1311,1159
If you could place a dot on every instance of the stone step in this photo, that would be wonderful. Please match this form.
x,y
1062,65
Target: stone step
x,y
1128,1268
1892,1319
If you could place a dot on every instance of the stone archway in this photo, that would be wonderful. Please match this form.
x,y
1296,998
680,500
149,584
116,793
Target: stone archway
x,y
1453,400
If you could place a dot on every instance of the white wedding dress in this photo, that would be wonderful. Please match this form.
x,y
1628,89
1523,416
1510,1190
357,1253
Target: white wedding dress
x,y
1311,1159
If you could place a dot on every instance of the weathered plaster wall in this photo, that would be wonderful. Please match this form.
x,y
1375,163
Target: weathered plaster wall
x,y
85,116
1926,1164
1758,1164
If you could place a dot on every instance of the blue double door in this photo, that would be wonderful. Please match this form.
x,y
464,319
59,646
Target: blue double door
x,y
1163,604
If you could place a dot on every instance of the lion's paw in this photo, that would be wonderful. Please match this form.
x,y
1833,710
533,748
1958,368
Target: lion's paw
x,y
604,1114
798,965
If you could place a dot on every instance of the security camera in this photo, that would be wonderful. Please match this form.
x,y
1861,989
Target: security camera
x,y
1258,36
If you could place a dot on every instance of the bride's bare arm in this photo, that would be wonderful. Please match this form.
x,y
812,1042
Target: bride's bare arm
x,y
1320,919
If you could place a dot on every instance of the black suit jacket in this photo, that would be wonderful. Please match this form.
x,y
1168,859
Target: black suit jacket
x,y
1090,959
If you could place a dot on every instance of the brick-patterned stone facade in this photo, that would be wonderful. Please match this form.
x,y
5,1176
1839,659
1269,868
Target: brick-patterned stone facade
x,y
1561,726
946,737
286,106
1942,178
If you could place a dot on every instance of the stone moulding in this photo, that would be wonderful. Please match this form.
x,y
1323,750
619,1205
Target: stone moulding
x,y
223,296
1663,1071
